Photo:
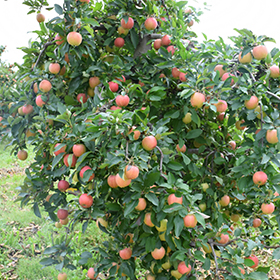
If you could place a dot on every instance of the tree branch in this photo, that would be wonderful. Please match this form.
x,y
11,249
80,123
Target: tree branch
x,y
273,94
215,258
160,164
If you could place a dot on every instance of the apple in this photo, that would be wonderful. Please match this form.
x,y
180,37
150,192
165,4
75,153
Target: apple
x,y
157,44
121,30
268,208
225,200
131,172
158,254
197,100
252,103
122,183
136,134
45,86
204,186
239,125
171,49
119,42
165,40
74,38
220,69
187,118
260,52
175,72
40,17
70,157
141,204
226,76
235,217
183,269
190,23
232,145
172,198
182,149
150,277
62,276
79,149
150,23
63,185
94,81
64,221
255,260
247,58
122,100
111,180
271,136
149,143
62,214
202,207
127,25
62,71
257,222
54,68
35,89
39,102
125,253
163,226
182,77
176,274
58,225
91,273
82,98
61,150
86,200
83,170
113,86
113,108
221,116
20,111
27,109
259,178
66,58
59,39
207,248
22,155
242,270
148,221
274,71
221,106
190,221
224,239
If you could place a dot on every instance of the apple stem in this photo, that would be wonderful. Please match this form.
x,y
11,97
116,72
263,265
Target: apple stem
x,y
160,164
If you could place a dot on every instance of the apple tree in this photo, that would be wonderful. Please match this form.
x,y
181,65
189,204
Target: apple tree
x,y
169,144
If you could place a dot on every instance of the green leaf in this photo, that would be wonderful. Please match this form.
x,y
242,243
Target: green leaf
x,y
130,207
276,254
179,225
50,250
36,210
174,165
151,179
258,275
200,219
194,134
185,159
152,198
58,9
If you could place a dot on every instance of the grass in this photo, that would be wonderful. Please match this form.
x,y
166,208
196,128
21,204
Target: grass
x,y
24,237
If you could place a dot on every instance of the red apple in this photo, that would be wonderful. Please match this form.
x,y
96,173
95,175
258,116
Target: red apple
x,y
111,180
59,39
83,170
221,106
39,102
45,86
73,161
149,143
86,200
93,82
113,86
61,150
260,52
274,71
175,72
182,76
171,49
131,172
62,276
40,17
172,198
197,100
268,208
224,239
225,200
232,145
257,222
125,253
54,68
22,155
221,117
27,109
122,100
221,70
190,221
62,214
79,149
148,221
157,44
63,185
183,269
271,136
252,103
150,23
165,40
113,108
119,42
64,221
82,98
255,260
91,273
127,25
121,182
74,38
259,178
158,254
182,149
247,58
226,76
141,204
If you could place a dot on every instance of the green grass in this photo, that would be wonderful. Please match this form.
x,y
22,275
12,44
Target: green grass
x,y
24,237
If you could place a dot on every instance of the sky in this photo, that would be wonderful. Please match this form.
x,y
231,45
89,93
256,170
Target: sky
x,y
259,16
